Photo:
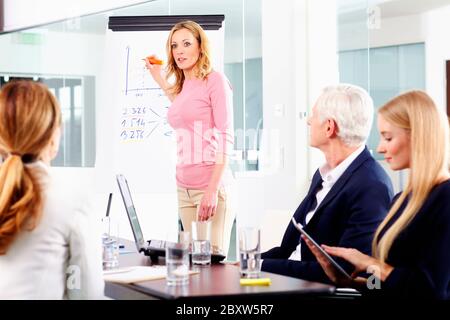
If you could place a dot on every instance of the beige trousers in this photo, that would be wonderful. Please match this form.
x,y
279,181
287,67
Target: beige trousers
x,y
221,223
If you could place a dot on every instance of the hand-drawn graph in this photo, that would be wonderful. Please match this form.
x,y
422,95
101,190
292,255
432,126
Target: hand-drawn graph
x,y
144,105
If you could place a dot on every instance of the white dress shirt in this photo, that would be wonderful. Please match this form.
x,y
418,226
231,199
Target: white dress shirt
x,y
61,257
329,178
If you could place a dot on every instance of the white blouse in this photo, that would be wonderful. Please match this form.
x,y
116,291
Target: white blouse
x,y
61,257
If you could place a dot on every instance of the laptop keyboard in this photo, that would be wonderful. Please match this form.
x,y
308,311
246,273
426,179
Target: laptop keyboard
x,y
157,244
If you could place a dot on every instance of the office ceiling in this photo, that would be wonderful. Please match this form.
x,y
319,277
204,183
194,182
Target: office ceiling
x,y
232,9
348,10
409,7
352,10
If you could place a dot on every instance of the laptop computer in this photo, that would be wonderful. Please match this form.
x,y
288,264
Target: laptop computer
x,y
151,248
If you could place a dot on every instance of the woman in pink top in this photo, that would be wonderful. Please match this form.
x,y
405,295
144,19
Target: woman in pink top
x,y
202,116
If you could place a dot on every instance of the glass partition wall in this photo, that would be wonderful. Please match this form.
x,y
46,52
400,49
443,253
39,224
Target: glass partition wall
x,y
386,48
382,68
68,57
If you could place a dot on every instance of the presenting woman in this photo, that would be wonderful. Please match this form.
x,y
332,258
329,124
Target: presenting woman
x,y
410,247
202,116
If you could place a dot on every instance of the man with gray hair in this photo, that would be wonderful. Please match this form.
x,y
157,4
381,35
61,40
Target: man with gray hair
x,y
349,195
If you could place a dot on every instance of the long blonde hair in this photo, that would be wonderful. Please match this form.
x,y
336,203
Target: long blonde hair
x,y
29,115
203,65
428,128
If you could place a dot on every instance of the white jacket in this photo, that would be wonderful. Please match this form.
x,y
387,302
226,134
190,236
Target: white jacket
x,y
61,257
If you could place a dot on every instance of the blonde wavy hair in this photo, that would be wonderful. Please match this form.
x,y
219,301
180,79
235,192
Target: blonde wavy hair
x,y
29,116
203,65
428,129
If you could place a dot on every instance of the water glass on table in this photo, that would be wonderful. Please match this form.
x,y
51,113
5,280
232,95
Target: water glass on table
x,y
177,262
201,242
250,252
110,243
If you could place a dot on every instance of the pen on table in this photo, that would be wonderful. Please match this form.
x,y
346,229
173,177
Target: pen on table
x,y
255,282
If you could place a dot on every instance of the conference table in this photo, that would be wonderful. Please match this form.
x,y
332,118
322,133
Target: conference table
x,y
212,283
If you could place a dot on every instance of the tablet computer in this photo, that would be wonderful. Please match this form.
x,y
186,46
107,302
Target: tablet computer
x,y
329,258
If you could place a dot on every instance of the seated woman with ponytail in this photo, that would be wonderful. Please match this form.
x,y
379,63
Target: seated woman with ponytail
x,y
48,248
411,246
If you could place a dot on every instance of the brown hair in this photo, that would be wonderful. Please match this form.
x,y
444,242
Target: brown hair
x,y
29,116
203,66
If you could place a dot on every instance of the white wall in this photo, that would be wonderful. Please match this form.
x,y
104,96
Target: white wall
x,y
398,30
58,53
392,31
429,27
299,58
322,59
437,52
274,185
45,11
252,50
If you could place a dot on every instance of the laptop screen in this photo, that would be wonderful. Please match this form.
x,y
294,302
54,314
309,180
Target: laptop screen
x,y
131,211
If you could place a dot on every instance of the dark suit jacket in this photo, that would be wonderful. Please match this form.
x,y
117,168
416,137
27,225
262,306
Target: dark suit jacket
x,y
347,217
420,254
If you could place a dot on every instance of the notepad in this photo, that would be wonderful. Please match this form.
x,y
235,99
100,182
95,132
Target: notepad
x,y
137,274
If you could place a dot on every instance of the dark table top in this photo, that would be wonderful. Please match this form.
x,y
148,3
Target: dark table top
x,y
215,281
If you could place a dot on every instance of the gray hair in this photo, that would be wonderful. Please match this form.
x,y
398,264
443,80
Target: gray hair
x,y
352,109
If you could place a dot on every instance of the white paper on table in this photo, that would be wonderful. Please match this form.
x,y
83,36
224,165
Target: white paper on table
x,y
135,274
